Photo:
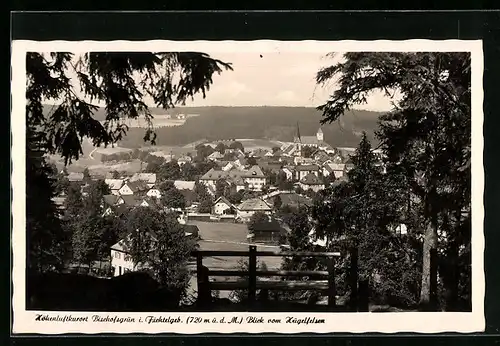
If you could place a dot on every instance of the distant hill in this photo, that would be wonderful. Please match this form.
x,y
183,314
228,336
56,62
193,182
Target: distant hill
x,y
273,123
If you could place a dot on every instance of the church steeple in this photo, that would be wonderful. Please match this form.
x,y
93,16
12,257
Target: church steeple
x,y
297,136
319,135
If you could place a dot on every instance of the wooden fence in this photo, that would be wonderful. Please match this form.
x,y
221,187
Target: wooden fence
x,y
205,286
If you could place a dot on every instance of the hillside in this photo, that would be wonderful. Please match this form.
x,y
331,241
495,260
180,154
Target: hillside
x,y
273,123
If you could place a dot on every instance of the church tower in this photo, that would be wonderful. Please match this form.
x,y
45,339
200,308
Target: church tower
x,y
298,142
319,135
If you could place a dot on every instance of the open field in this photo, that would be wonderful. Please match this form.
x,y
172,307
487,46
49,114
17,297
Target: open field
x,y
229,236
259,143
88,160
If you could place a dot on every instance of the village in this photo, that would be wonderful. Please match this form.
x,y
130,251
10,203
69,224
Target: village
x,y
257,184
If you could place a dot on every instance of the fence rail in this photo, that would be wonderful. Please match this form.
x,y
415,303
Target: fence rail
x,y
252,284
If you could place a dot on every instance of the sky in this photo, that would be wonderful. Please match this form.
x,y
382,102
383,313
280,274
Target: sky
x,y
275,79
272,79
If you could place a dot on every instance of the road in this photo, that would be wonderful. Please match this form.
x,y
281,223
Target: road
x,y
90,154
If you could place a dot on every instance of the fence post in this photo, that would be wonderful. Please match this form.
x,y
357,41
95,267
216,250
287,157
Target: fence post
x,y
252,273
331,282
353,279
202,278
364,296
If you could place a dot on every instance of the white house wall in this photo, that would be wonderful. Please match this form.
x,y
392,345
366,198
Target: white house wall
x,y
220,207
126,191
121,263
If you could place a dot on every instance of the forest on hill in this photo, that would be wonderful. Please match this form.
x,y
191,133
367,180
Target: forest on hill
x,y
272,123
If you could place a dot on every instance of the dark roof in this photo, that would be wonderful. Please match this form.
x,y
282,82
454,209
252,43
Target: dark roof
x,y
111,199
254,204
294,199
131,200
121,209
311,179
270,226
189,195
138,186
215,174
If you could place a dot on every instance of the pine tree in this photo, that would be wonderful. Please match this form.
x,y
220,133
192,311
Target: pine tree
x,y
428,133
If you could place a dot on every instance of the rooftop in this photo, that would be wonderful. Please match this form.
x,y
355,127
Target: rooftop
x,y
254,204
311,179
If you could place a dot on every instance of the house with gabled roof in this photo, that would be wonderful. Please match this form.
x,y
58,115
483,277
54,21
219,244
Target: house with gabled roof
x,y
153,193
289,172
268,232
137,187
114,185
112,200
222,206
249,207
131,200
253,177
311,182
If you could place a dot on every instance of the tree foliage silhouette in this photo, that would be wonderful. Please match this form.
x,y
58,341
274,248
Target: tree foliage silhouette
x,y
121,81
426,138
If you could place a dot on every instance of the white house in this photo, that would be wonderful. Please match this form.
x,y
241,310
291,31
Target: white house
x,y
153,192
222,206
120,259
114,185
251,206
125,190
135,187
289,172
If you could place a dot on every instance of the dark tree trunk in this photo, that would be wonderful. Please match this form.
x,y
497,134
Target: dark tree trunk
x,y
428,296
353,279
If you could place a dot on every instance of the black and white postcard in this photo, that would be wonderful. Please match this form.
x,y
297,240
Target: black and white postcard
x,y
247,186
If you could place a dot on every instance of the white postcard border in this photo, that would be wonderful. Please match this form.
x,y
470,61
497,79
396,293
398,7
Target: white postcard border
x,y
422,322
